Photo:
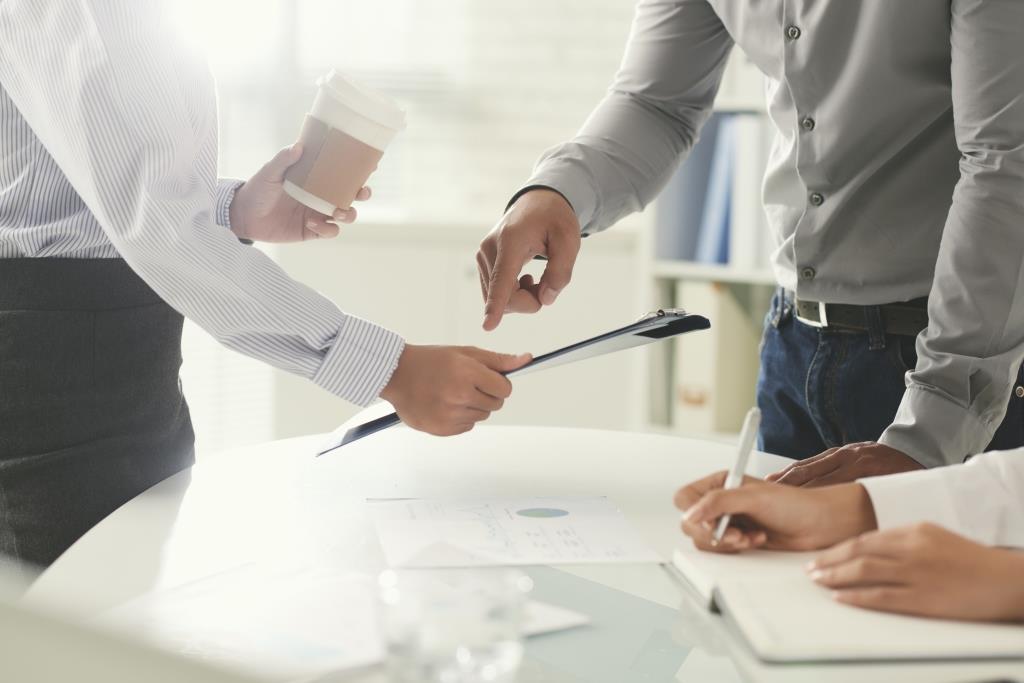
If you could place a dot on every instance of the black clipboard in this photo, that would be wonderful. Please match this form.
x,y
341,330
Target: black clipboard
x,y
661,324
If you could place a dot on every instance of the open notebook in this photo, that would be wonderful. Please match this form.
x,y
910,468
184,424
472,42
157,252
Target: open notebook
x,y
786,618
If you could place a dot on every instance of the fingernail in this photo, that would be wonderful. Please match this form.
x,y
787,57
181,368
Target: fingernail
x,y
811,566
817,575
687,513
548,296
311,225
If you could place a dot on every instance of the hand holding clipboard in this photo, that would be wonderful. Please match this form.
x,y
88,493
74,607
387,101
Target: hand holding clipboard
x,y
661,324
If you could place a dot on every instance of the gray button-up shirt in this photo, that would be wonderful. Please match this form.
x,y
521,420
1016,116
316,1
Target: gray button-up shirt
x,y
909,183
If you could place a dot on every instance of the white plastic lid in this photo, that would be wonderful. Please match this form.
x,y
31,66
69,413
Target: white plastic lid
x,y
365,101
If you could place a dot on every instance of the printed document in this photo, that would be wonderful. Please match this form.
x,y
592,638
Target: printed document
x,y
421,533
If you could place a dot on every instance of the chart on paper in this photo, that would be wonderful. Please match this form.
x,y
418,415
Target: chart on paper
x,y
493,532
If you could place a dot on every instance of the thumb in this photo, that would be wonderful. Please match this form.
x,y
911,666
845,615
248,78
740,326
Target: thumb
x,y
499,362
273,171
563,248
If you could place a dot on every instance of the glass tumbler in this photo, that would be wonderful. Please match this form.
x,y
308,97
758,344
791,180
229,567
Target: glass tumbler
x,y
453,625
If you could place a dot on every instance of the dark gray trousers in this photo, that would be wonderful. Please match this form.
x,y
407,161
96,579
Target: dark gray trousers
x,y
91,409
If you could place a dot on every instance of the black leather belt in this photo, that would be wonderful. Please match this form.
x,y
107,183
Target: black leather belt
x,y
907,318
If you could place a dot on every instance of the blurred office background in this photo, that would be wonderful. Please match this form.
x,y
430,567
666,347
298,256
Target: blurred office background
x,y
488,86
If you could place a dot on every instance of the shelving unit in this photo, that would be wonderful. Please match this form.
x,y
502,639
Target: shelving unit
x,y
711,272
742,92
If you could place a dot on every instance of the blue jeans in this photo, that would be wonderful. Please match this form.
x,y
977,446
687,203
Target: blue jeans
x,y
824,388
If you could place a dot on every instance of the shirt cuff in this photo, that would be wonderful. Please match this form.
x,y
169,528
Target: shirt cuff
x,y
913,497
935,431
566,178
360,362
224,195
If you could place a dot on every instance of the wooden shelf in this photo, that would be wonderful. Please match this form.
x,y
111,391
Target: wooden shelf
x,y
712,272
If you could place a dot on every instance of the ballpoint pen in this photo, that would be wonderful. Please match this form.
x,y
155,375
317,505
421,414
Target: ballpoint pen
x,y
735,477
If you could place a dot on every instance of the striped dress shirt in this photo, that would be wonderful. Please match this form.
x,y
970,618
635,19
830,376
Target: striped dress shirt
x,y
108,148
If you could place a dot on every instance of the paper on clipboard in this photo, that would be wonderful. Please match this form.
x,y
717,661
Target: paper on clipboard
x,y
661,324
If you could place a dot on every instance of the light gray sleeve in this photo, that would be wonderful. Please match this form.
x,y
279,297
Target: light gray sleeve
x,y
633,142
970,352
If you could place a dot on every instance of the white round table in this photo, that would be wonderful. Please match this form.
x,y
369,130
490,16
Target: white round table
x,y
277,501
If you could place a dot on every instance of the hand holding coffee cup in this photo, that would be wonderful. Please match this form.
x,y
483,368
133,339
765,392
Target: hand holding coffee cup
x,y
343,140
261,210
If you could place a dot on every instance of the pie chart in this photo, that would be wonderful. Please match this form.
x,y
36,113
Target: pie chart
x,y
542,513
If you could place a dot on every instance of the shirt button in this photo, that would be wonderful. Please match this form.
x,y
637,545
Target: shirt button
x,y
808,273
1020,392
808,123
793,32
817,199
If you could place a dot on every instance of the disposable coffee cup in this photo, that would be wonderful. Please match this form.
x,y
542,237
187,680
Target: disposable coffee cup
x,y
343,139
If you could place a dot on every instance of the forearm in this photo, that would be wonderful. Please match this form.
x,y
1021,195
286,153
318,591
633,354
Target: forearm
x,y
619,162
975,340
633,142
982,500
142,156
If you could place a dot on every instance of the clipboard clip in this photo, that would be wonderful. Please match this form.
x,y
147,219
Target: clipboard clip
x,y
662,312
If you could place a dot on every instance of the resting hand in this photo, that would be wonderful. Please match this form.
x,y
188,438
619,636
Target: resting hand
x,y
771,516
263,212
446,390
926,571
849,463
540,223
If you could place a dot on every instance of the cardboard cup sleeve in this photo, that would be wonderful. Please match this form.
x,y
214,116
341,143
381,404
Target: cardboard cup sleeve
x,y
334,166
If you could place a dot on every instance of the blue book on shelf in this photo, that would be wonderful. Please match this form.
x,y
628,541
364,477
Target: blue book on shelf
x,y
680,208
713,236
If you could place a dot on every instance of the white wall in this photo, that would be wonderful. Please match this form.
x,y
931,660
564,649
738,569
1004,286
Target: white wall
x,y
421,281
488,87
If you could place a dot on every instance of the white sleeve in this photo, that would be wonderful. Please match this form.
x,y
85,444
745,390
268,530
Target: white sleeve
x,y
129,114
982,499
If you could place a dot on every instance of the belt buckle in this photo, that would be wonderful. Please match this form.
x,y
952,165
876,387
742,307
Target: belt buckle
x,y
822,320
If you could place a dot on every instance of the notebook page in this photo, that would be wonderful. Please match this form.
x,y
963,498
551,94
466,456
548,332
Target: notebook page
x,y
794,620
703,571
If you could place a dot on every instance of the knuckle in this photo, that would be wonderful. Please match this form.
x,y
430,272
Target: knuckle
x,y
713,499
919,533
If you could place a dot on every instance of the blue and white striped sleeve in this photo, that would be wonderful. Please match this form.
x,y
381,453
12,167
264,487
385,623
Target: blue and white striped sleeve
x,y
129,115
225,194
